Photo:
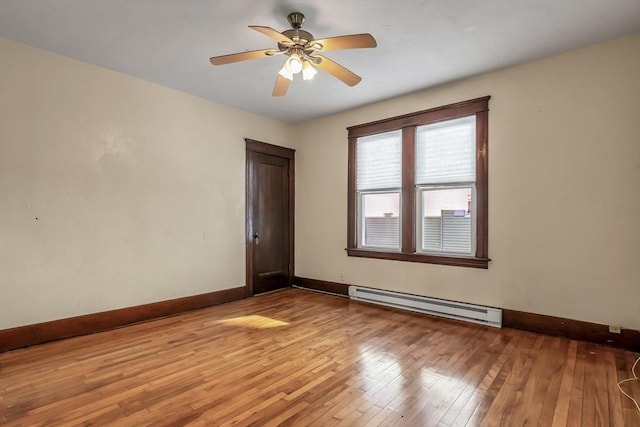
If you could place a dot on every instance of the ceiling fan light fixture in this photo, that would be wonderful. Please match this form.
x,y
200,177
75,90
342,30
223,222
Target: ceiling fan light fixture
x,y
294,63
284,72
308,71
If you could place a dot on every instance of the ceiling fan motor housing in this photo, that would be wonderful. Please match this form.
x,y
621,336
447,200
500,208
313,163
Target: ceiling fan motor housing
x,y
300,37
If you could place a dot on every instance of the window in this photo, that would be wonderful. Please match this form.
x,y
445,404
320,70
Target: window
x,y
378,186
418,186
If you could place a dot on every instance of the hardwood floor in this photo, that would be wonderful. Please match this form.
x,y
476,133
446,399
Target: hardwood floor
x,y
298,358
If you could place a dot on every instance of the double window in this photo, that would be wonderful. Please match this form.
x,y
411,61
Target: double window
x,y
418,186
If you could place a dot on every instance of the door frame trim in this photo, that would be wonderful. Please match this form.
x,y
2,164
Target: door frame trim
x,y
286,153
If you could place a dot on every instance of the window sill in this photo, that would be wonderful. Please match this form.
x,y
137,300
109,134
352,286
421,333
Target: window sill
x,y
460,261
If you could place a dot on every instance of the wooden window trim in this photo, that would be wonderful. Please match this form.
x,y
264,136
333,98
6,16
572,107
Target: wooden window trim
x,y
408,122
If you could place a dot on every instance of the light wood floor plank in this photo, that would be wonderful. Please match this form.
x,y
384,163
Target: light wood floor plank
x,y
300,358
561,412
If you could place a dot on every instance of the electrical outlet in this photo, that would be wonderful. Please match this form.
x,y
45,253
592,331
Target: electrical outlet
x,y
615,329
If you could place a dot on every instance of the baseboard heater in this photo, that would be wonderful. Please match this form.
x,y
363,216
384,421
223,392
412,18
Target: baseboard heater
x,y
438,307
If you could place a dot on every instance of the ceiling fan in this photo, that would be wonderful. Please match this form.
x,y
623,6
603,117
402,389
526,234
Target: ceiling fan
x,y
301,49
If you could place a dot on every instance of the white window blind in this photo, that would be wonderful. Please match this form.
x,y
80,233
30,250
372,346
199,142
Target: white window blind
x,y
445,152
379,161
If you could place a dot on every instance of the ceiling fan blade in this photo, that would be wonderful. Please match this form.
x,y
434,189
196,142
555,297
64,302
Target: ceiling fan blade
x,y
282,84
337,70
242,56
270,32
354,41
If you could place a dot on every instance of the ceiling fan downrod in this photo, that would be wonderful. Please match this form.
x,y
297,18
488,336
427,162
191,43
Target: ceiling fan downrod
x,y
296,19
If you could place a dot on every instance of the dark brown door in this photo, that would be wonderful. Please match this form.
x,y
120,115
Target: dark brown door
x,y
269,217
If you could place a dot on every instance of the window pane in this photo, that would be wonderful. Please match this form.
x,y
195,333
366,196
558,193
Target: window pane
x,y
379,161
380,220
446,220
445,152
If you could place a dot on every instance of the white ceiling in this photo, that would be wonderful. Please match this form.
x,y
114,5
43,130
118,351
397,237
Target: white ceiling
x,y
420,43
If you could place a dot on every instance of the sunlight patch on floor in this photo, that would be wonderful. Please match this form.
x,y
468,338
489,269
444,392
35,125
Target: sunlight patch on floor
x,y
252,321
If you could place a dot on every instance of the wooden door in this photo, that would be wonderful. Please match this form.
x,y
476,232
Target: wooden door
x,y
269,217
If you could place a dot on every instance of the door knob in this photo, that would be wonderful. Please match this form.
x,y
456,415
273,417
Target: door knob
x,y
256,238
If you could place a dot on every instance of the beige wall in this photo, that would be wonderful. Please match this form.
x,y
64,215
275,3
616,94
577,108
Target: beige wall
x,y
564,190
138,190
